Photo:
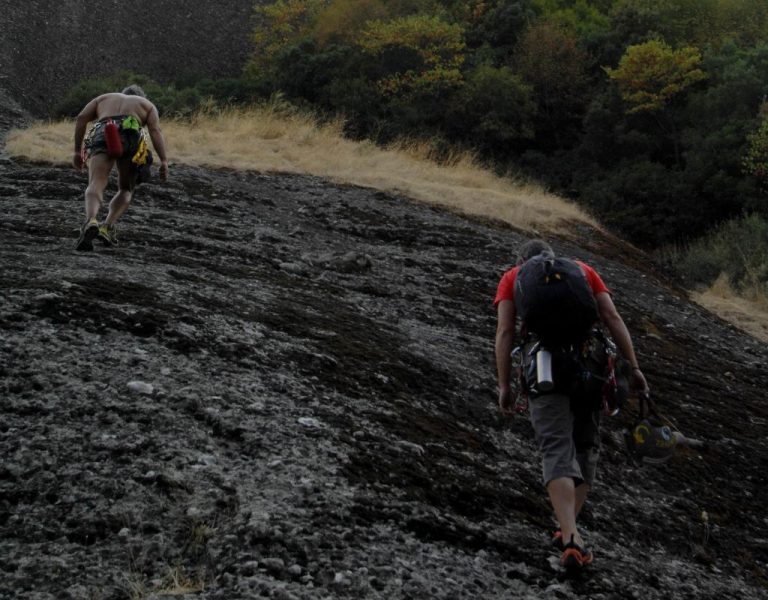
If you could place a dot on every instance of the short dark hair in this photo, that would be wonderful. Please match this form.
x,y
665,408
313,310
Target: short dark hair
x,y
533,248
134,90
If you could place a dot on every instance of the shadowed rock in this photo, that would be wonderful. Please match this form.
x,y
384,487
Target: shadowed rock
x,y
330,430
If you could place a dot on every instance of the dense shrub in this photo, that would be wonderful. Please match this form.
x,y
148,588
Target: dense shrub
x,y
492,109
738,248
171,100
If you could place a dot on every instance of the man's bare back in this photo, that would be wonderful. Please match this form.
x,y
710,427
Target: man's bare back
x,y
110,105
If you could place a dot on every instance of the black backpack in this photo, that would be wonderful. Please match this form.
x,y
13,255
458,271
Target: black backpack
x,y
554,301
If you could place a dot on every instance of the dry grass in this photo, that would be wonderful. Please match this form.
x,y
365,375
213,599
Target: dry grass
x,y
274,139
175,583
47,142
749,314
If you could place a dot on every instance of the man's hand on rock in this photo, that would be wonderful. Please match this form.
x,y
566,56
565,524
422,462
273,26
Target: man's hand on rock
x,y
164,170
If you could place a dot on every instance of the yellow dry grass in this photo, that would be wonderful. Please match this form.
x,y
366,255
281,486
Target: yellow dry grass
x,y
750,315
274,140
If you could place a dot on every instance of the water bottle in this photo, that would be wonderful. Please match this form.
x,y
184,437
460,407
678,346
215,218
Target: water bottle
x,y
544,382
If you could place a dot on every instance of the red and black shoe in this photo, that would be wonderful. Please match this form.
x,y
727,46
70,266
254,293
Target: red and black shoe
x,y
574,557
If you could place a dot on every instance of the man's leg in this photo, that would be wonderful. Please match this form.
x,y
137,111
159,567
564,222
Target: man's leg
x,y
552,421
118,206
126,182
581,496
586,437
99,166
562,494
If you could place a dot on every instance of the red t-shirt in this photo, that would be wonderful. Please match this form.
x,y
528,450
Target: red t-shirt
x,y
506,289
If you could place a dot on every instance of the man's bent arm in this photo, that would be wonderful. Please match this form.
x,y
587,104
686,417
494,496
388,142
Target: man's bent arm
x,y
615,324
505,339
88,114
156,134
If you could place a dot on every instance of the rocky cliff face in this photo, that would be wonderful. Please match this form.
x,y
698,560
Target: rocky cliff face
x,y
279,387
46,47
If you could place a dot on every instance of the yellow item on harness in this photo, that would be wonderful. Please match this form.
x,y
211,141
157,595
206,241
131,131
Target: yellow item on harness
x,y
140,157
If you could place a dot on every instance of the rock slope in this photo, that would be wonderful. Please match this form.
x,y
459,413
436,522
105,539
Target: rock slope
x,y
48,47
280,387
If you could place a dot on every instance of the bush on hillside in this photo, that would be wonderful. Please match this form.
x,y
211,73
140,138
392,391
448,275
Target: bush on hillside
x,y
171,100
492,109
738,248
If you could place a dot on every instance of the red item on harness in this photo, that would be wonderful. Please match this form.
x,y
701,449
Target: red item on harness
x,y
610,389
112,138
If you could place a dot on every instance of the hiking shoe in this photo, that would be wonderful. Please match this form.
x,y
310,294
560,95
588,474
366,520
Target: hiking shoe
x,y
88,233
108,235
574,557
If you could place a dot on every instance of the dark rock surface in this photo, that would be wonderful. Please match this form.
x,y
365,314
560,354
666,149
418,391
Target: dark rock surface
x,y
279,387
47,47
11,115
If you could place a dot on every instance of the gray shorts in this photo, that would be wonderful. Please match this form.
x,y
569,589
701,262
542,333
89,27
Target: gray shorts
x,y
569,442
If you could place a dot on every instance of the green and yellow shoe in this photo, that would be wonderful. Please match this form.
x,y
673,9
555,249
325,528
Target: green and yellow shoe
x,y
88,233
108,235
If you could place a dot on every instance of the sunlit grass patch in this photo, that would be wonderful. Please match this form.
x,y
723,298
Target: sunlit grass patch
x,y
747,313
278,139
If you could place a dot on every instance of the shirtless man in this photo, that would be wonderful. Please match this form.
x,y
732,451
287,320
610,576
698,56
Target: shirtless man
x,y
130,111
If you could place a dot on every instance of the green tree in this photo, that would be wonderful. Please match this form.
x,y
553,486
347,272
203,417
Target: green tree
x,y
493,28
492,110
743,21
646,202
651,75
342,20
756,158
718,120
280,24
580,16
418,54
692,22
549,58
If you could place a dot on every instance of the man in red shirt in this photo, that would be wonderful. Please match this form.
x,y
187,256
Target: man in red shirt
x,y
568,440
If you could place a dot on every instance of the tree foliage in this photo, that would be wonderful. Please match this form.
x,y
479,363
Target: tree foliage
x,y
417,53
549,58
756,159
493,109
650,75
280,24
583,17
343,20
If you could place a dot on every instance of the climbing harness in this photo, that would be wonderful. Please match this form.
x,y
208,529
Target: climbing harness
x,y
588,372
